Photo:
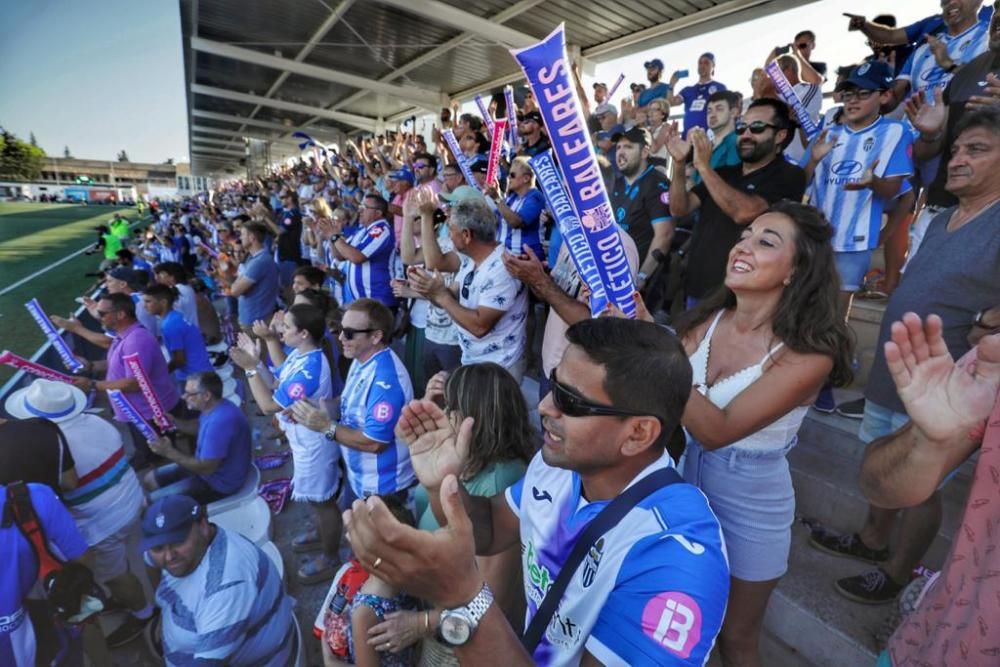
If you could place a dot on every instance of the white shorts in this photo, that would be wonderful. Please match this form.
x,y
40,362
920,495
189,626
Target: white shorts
x,y
111,553
315,460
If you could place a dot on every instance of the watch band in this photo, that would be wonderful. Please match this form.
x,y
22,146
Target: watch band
x,y
331,432
480,604
250,373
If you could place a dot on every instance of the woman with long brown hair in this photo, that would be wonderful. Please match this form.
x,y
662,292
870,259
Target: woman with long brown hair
x,y
760,348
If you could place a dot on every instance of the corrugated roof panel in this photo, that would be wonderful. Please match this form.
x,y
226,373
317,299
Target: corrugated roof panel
x,y
311,91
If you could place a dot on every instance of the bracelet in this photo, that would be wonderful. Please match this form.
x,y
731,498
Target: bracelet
x,y
427,621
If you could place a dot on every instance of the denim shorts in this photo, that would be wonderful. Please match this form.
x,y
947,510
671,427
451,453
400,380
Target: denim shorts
x,y
752,496
880,421
852,267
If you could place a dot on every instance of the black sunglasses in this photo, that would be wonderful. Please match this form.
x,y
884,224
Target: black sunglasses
x,y
467,283
756,127
571,404
349,333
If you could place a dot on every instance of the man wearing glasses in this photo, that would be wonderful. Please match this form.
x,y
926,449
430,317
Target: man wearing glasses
x,y
487,304
729,198
376,390
651,590
368,251
221,459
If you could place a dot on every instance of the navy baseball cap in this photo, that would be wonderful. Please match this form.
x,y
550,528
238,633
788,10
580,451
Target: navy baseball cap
x,y
125,275
532,116
169,520
875,75
479,167
655,62
635,134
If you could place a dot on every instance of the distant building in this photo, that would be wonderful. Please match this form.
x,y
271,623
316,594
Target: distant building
x,y
106,180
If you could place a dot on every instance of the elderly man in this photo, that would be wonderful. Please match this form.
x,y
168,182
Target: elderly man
x,y
117,314
221,598
221,460
487,304
105,500
955,275
652,587
955,412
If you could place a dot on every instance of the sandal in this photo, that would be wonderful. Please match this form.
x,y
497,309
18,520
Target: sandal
x,y
317,570
307,541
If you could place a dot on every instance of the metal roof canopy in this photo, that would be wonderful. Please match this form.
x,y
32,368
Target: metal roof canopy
x,y
267,68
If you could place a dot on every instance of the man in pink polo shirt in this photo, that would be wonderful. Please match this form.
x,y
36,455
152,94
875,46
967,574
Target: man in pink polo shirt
x,y
954,412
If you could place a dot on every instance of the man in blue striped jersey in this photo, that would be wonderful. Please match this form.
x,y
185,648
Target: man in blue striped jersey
x,y
369,251
376,390
856,169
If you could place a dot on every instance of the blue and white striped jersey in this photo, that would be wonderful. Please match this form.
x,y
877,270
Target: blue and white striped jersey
x,y
530,208
372,279
374,395
921,69
856,215
231,610
652,590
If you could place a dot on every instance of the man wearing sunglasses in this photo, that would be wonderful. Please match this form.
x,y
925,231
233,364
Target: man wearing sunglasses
x,y
368,251
730,198
651,591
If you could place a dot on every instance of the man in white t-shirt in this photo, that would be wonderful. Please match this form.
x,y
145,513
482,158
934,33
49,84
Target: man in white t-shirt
x,y
488,305
107,500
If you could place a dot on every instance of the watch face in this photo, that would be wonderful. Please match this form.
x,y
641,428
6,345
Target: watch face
x,y
455,629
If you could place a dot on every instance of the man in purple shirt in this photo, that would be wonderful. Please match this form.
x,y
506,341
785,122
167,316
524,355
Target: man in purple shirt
x,y
117,313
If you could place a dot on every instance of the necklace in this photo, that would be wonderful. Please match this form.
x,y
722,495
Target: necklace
x,y
957,220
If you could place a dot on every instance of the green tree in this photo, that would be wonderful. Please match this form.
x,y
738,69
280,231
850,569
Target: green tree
x,y
19,160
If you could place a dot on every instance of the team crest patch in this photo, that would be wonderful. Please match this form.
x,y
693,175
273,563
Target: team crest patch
x,y
376,232
665,198
673,620
383,412
296,390
596,219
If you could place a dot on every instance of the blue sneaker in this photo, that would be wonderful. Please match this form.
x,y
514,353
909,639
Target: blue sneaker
x,y
825,402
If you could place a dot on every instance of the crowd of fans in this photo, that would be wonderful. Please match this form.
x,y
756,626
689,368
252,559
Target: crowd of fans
x,y
387,314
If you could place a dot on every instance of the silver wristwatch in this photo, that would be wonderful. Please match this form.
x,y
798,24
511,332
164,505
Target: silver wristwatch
x,y
457,625
331,433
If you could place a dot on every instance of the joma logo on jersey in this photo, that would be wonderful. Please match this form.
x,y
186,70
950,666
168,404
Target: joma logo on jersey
x,y
846,168
538,575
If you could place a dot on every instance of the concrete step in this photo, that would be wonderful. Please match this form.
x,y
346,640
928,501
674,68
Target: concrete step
x,y
825,466
817,624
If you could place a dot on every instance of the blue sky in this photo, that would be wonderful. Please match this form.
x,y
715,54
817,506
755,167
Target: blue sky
x,y
108,75
97,76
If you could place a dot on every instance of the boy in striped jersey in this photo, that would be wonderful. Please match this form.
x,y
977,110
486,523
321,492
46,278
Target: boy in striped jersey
x,y
856,169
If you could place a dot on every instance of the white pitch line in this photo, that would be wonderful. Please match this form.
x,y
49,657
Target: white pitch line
x,y
54,264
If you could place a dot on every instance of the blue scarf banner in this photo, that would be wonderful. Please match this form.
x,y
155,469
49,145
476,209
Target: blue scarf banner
x,y
551,185
787,94
487,118
547,69
463,164
508,95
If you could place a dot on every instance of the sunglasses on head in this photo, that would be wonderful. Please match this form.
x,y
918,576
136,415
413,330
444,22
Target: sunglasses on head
x,y
572,404
756,127
350,333
420,165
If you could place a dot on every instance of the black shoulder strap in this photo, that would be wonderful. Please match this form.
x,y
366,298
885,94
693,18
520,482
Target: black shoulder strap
x,y
609,517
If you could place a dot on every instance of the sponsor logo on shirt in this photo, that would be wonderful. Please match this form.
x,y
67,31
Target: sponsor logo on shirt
x,y
383,384
539,577
846,168
673,620
296,390
383,412
375,231
541,495
665,198
563,631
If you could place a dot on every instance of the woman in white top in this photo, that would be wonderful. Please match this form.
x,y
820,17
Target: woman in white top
x,y
760,349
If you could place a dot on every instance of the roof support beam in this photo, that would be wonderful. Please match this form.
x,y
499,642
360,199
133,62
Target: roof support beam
x,y
410,94
362,122
243,120
439,12
215,151
692,24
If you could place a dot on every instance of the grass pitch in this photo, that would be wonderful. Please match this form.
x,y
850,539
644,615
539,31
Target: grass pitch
x,y
32,236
